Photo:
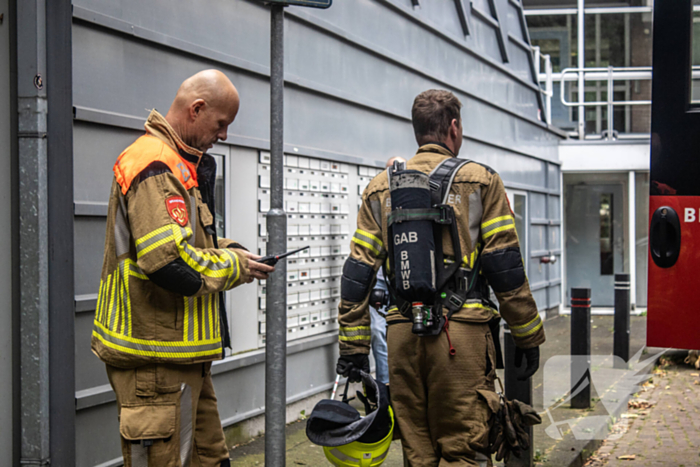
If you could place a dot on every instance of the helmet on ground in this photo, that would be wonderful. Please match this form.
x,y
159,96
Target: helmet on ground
x,y
361,454
348,439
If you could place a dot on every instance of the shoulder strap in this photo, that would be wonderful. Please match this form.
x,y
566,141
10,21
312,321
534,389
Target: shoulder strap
x,y
441,178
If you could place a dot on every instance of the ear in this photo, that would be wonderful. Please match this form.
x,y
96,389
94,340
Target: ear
x,y
196,108
454,129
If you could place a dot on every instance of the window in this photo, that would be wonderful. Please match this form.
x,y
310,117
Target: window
x,y
555,35
695,62
606,234
518,203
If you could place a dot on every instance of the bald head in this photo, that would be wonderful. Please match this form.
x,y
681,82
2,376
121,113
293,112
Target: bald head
x,y
391,161
203,108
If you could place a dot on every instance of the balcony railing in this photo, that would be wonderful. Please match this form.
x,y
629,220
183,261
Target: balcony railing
x,y
608,76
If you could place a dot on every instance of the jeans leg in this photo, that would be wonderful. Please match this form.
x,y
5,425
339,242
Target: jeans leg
x,y
379,347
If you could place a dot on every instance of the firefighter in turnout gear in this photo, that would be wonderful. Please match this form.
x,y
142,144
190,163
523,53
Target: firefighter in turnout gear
x,y
160,318
441,367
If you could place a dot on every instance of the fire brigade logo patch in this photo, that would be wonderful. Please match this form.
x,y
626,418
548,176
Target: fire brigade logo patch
x,y
177,209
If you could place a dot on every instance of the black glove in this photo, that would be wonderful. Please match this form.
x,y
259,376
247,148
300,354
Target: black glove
x,y
533,361
351,365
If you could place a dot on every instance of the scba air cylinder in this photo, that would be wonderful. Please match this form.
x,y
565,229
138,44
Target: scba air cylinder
x,y
413,241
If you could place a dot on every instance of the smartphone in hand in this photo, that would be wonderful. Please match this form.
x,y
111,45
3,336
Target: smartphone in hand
x,y
271,260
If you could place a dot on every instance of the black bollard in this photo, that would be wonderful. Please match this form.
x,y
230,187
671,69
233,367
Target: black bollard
x,y
580,348
621,338
520,390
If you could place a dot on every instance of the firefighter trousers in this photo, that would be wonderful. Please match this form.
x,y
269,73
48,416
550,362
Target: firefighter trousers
x,y
168,416
440,400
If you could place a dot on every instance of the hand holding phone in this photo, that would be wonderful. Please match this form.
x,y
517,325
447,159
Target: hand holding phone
x,y
271,260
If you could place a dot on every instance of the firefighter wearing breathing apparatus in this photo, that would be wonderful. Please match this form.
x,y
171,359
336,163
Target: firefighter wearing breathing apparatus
x,y
442,229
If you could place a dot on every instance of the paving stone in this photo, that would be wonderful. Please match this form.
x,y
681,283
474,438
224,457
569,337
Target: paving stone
x,y
668,435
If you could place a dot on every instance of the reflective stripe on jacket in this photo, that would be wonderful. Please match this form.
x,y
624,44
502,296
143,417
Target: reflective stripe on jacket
x,y
157,217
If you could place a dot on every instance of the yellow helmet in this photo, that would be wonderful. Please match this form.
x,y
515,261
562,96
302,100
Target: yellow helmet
x,y
357,454
348,439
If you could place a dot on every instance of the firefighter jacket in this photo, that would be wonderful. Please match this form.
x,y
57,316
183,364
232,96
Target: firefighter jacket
x,y
486,228
163,269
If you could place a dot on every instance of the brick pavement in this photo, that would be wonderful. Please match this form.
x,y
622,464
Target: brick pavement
x,y
665,434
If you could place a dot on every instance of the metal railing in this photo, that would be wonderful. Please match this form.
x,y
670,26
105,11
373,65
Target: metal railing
x,y
548,90
608,75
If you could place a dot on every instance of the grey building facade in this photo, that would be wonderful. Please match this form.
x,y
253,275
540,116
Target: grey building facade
x,y
81,81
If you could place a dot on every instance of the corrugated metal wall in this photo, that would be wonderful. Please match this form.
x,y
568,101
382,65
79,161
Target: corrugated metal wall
x,y
351,75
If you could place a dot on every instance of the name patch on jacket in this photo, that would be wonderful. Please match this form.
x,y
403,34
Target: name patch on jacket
x,y
177,209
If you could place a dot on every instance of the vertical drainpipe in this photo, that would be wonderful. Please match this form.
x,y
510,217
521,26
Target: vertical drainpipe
x,y
580,65
631,190
33,227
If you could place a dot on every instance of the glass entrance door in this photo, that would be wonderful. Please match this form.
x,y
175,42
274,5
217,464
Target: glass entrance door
x,y
594,239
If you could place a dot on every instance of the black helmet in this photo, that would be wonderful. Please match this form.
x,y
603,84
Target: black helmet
x,y
345,435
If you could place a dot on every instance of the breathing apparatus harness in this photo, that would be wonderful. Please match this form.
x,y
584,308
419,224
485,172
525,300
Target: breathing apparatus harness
x,y
423,282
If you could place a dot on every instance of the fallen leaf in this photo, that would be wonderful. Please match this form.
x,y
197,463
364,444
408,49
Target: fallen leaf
x,y
667,387
695,374
629,415
627,457
696,382
640,404
682,409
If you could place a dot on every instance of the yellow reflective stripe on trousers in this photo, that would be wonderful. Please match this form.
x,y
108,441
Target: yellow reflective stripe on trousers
x,y
153,348
499,224
528,328
356,333
369,241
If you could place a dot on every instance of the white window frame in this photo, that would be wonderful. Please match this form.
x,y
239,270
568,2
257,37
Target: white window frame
x,y
524,245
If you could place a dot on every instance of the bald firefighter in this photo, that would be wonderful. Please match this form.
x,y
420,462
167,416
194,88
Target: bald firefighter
x,y
443,257
160,318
